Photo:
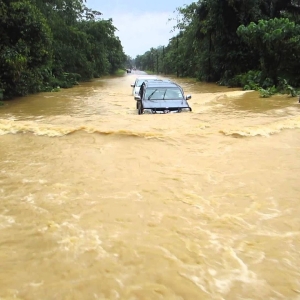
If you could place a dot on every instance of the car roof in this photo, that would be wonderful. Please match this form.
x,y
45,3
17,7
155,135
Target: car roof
x,y
161,83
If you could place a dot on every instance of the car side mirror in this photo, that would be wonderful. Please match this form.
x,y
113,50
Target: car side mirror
x,y
132,85
188,97
137,98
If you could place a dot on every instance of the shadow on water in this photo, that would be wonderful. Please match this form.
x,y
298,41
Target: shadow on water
x,y
252,102
77,100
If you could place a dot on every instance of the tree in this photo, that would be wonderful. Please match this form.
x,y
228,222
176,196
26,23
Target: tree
x,y
47,44
25,48
277,41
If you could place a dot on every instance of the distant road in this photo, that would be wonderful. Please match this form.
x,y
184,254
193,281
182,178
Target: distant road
x,y
137,72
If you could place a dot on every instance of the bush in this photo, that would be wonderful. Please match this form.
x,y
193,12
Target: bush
x,y
64,80
268,92
254,80
285,88
249,81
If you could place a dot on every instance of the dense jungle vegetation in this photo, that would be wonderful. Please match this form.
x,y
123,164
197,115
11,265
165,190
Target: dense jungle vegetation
x,y
48,44
254,44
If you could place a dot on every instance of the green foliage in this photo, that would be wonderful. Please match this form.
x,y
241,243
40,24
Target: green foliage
x,y
286,88
119,72
249,81
268,92
48,45
224,41
1,96
254,80
277,41
25,48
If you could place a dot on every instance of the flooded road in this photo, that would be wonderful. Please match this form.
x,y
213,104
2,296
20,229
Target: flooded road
x,y
98,202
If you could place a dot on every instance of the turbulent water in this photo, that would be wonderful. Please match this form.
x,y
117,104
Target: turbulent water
x,y
98,202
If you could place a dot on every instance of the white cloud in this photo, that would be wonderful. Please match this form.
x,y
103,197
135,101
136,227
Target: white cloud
x,y
139,32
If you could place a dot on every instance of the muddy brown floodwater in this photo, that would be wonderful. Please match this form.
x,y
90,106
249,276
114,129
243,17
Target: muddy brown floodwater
x,y
98,202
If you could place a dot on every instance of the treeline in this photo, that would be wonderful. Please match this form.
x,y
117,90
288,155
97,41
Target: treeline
x,y
253,43
47,44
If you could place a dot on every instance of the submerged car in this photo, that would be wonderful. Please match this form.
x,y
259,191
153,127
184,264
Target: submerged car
x,y
137,84
162,96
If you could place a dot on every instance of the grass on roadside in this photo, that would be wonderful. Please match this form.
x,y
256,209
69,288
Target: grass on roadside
x,y
120,72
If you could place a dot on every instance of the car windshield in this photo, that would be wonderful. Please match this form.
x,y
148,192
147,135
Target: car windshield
x,y
163,94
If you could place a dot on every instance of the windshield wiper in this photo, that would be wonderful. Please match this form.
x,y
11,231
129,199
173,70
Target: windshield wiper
x,y
164,94
151,95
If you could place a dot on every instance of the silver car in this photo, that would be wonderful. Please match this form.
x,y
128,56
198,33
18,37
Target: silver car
x,y
137,84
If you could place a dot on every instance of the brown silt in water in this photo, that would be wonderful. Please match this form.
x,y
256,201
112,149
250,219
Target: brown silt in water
x,y
98,202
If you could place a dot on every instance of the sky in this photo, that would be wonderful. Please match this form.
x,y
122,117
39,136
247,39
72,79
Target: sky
x,y
141,24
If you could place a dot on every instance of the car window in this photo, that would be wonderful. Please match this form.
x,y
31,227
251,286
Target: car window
x,y
139,82
174,93
154,94
163,94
